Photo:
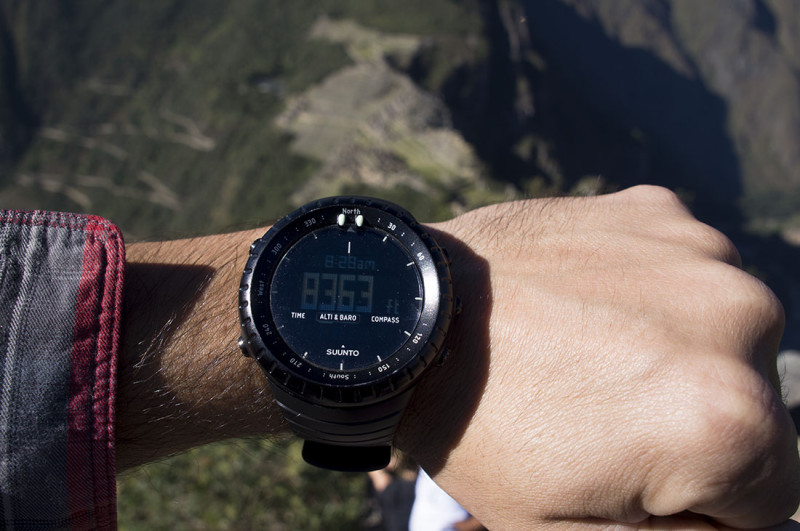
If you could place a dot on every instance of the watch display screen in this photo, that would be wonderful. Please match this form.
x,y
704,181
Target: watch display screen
x,y
346,299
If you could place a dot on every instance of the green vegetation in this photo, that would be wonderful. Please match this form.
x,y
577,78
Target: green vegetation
x,y
191,109
245,484
162,116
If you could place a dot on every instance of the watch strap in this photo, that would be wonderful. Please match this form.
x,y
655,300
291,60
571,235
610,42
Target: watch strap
x,y
347,458
347,437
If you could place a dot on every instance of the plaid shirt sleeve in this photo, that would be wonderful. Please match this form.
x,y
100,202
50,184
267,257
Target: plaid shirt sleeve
x,y
60,309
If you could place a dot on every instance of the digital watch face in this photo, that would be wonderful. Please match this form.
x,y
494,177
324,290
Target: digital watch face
x,y
346,299
342,294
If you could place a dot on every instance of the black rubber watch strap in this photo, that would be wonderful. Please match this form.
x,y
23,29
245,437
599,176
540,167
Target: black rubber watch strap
x,y
341,435
347,458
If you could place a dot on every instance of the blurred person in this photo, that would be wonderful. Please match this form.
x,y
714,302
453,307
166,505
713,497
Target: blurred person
x,y
393,495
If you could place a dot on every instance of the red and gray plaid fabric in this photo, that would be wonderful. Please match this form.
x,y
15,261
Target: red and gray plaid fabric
x,y
61,278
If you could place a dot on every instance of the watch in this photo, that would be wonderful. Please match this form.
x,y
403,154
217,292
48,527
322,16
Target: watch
x,y
345,303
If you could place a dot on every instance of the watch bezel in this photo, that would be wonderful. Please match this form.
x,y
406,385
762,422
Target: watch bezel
x,y
398,371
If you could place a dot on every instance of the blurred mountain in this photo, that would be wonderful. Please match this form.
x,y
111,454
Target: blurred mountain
x,y
101,100
714,84
164,116
177,118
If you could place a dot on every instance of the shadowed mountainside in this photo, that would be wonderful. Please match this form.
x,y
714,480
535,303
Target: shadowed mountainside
x,y
713,85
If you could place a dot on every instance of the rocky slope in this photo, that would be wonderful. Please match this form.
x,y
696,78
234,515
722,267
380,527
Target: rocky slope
x,y
372,128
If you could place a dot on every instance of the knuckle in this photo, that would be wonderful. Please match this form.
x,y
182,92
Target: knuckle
x,y
735,418
743,298
714,244
730,437
746,425
657,195
740,429
756,303
764,305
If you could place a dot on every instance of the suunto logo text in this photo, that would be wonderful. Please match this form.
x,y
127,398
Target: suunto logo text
x,y
341,352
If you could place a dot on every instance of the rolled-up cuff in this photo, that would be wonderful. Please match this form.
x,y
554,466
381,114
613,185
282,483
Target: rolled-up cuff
x,y
61,280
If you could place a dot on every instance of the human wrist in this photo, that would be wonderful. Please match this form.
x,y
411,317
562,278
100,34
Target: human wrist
x,y
182,381
448,394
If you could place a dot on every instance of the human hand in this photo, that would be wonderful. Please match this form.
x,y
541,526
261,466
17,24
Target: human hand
x,y
613,365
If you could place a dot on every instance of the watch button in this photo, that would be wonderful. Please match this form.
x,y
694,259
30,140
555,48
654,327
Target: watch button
x,y
446,255
443,357
243,347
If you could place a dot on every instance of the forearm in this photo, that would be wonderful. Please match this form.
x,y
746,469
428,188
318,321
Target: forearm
x,y
182,379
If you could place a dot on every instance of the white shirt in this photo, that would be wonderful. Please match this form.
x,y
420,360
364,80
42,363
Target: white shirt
x,y
434,509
